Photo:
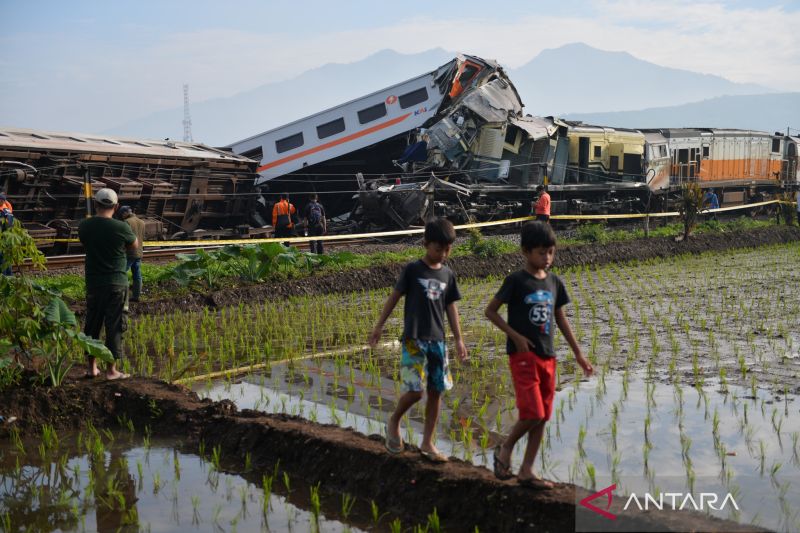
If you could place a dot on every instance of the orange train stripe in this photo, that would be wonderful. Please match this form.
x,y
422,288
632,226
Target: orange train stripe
x,y
336,142
728,169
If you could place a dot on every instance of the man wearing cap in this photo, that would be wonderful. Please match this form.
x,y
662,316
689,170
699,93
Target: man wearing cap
x,y
135,255
105,241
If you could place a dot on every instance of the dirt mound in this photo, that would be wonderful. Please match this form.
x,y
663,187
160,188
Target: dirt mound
x,y
470,267
341,460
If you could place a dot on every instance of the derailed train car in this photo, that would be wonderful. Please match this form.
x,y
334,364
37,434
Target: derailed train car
x,y
454,142
178,189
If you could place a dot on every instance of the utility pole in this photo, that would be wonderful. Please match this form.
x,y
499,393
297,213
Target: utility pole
x,y
187,119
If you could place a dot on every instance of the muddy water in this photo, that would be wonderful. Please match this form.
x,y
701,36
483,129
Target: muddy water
x,y
125,486
642,435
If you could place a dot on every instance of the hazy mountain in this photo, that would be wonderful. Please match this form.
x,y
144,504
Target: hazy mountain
x,y
569,79
222,121
765,112
578,78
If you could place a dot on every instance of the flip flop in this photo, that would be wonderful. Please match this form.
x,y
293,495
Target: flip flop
x,y
501,470
434,457
535,483
122,375
393,445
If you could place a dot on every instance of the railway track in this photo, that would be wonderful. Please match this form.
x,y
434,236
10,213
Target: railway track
x,y
159,255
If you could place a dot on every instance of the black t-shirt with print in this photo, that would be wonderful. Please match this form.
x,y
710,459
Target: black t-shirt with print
x,y
531,306
428,292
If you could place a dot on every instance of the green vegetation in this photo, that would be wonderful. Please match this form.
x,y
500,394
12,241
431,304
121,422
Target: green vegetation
x,y
37,329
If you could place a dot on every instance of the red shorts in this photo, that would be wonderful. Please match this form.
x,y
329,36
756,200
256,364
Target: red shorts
x,y
534,384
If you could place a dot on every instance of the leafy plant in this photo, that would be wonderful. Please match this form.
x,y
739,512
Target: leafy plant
x,y
486,248
690,203
34,320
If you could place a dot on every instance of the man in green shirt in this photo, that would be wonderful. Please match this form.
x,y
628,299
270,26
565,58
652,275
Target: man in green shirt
x,y
134,255
105,241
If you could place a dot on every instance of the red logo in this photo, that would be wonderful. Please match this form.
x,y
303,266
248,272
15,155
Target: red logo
x,y
391,99
608,492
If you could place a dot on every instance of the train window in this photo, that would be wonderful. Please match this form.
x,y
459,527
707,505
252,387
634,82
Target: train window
x,y
413,98
256,154
289,143
662,150
597,151
776,145
372,113
706,150
330,128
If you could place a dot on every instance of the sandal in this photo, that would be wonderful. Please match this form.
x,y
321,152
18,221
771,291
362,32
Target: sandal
x,y
501,469
393,445
434,457
535,483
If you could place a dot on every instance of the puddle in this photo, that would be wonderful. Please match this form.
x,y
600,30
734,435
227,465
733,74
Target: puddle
x,y
126,486
641,435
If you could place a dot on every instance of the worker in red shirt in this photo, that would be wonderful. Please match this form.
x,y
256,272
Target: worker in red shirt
x,y
282,217
541,207
5,204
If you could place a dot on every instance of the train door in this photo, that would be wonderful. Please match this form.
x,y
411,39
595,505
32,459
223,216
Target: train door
x,y
583,158
683,164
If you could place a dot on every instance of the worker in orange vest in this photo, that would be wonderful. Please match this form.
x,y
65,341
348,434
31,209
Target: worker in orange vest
x,y
542,206
282,215
5,204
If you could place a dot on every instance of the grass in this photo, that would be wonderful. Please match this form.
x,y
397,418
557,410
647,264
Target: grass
x,y
73,289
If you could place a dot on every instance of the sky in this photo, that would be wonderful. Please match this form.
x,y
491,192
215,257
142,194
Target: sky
x,y
89,66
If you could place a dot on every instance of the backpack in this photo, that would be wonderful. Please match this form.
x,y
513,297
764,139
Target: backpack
x,y
315,214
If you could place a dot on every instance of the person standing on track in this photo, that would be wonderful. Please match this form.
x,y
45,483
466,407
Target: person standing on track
x,y
542,206
316,224
798,206
282,217
5,204
106,241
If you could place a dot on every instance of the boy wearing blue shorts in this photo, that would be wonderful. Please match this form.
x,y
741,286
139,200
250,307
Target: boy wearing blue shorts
x,y
431,292
534,297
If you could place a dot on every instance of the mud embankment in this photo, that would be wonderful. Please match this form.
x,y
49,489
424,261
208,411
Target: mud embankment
x,y
341,460
470,267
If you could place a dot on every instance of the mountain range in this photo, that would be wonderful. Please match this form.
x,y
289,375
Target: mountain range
x,y
575,81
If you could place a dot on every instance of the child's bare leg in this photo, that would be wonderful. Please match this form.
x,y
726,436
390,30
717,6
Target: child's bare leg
x,y
92,369
432,409
520,428
534,441
405,403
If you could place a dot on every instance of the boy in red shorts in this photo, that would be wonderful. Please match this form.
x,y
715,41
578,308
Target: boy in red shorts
x,y
534,297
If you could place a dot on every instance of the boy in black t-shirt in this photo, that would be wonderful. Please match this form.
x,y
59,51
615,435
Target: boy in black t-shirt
x,y
534,297
431,291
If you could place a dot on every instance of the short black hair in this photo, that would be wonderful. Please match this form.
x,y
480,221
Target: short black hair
x,y
314,196
441,231
284,196
536,234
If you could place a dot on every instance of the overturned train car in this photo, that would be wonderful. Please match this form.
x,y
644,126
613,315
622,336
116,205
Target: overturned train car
x,y
178,189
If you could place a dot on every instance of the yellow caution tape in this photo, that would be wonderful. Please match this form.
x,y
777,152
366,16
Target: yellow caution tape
x,y
418,231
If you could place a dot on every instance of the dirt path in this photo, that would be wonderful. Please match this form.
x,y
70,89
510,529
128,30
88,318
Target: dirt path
x,y
341,460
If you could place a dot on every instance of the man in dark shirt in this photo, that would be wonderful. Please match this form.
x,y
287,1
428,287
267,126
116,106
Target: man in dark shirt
x,y
106,240
317,225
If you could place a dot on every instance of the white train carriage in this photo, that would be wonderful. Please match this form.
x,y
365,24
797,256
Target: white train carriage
x,y
348,127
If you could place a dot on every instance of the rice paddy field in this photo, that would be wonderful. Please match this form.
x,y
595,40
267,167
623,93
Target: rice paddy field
x,y
696,379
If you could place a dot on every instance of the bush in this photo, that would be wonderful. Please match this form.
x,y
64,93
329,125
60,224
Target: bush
x,y
486,248
592,233
34,320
